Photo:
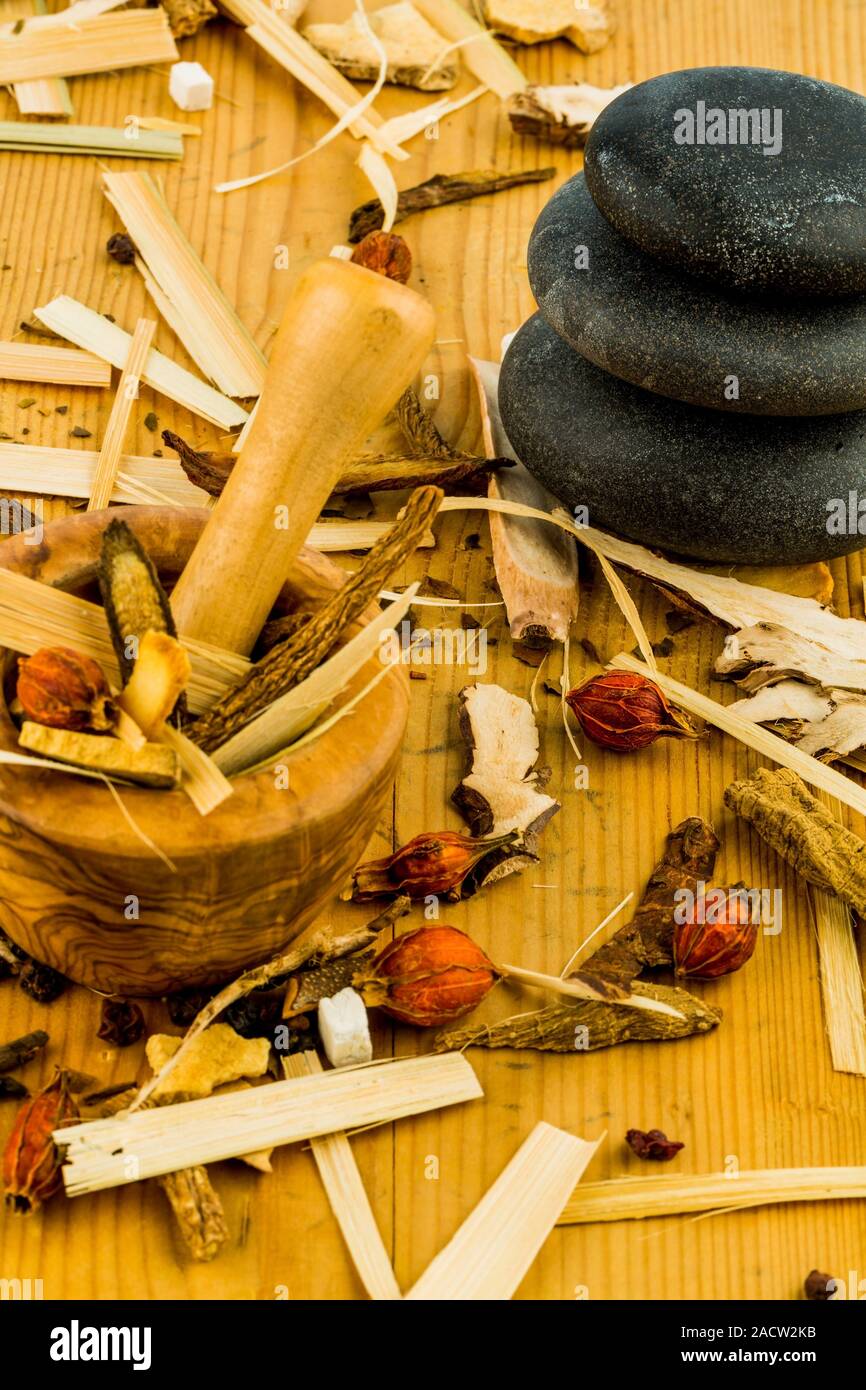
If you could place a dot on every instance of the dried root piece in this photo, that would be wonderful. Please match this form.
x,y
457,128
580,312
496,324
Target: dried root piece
x,y
587,1026
536,563
501,791
767,653
186,17
442,189
154,765
647,940
21,1050
826,724
134,599
564,115
197,1210
413,48
799,827
159,677
216,1058
587,26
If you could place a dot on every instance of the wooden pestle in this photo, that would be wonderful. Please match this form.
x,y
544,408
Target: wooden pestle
x,y
349,344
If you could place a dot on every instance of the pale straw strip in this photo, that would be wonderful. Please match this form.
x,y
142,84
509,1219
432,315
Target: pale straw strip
x,y
90,330
108,461
130,1147
32,468
348,1197
65,366
580,989
186,293
102,43
266,27
200,778
841,976
486,58
45,97
636,1199
494,1248
34,615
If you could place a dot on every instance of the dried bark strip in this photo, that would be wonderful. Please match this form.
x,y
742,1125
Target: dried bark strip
x,y
197,1210
437,192
793,822
587,1026
647,940
291,661
20,1050
562,115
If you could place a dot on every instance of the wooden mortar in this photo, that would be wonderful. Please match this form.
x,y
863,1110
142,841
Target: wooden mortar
x,y
250,876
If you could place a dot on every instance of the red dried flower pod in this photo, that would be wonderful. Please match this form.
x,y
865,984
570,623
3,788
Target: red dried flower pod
x,y
427,977
719,938
65,690
433,863
624,711
31,1162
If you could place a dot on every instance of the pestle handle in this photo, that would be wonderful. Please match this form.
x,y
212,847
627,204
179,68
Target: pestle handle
x,y
349,344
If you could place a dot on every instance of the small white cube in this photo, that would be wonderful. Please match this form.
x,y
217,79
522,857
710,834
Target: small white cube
x,y
190,87
345,1029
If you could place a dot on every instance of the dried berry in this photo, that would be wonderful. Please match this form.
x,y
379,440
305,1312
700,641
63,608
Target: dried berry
x,y
427,977
65,690
718,937
820,1288
121,248
386,253
31,1162
623,711
41,982
256,1015
122,1022
437,863
183,1007
10,1089
652,1143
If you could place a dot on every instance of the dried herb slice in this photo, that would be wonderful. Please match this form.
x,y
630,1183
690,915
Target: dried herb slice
x,y
135,601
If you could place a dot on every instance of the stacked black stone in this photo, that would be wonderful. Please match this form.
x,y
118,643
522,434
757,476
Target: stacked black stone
x,y
696,375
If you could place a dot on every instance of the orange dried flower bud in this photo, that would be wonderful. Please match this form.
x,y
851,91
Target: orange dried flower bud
x,y
719,936
65,690
31,1162
427,977
437,862
624,711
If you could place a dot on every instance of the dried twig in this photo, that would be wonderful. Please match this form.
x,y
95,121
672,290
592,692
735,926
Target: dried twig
x,y
436,192
20,1050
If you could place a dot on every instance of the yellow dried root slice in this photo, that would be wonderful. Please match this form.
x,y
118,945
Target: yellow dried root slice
x,y
216,1057
152,766
159,677
587,26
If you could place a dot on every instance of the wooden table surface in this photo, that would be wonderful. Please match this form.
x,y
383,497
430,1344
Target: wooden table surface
x,y
760,1090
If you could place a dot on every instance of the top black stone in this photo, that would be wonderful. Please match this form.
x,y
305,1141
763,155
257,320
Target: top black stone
x,y
748,176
